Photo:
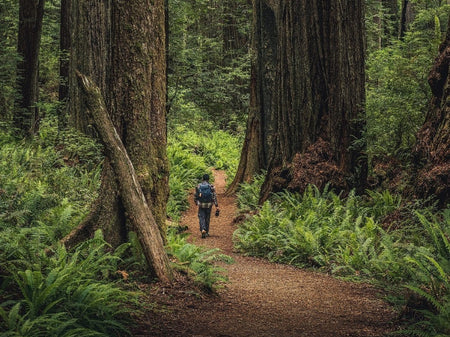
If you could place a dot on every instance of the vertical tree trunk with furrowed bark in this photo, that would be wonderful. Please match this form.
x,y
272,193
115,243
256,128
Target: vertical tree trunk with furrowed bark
x,y
131,193
138,97
253,155
90,29
90,54
121,46
309,93
407,16
432,150
29,40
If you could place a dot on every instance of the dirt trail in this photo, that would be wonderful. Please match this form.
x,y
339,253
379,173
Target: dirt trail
x,y
266,299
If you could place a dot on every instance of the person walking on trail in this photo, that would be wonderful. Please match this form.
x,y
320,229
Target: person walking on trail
x,y
205,196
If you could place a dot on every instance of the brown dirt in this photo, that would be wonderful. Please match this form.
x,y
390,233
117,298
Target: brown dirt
x,y
263,298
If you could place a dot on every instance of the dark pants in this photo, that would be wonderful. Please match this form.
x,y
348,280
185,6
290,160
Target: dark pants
x,y
204,216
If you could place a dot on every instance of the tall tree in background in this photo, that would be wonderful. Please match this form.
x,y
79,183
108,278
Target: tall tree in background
x,y
121,46
31,13
64,46
392,21
407,16
208,64
307,95
432,151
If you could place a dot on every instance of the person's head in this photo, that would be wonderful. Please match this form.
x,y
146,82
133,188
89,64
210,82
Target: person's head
x,y
206,177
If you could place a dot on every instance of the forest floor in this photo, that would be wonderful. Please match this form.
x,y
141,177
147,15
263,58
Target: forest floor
x,y
263,298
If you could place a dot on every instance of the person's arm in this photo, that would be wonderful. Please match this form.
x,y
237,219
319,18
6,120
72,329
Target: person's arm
x,y
214,195
196,195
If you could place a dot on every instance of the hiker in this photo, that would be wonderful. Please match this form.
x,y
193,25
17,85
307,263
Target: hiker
x,y
205,196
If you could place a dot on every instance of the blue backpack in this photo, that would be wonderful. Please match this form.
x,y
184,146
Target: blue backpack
x,y
205,192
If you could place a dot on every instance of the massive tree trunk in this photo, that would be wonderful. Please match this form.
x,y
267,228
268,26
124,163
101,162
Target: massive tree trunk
x,y
139,95
122,46
29,40
90,29
133,198
432,151
309,94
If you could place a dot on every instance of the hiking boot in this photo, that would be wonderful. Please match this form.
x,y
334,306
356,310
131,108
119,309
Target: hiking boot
x,y
207,234
203,234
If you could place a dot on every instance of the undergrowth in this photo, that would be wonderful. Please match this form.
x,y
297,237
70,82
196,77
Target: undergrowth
x,y
193,153
66,294
197,262
351,237
46,188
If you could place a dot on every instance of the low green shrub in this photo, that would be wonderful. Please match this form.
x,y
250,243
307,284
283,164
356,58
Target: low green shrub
x,y
186,169
196,261
248,194
220,149
347,237
66,294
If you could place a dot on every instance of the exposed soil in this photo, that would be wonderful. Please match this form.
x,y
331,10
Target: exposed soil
x,y
262,298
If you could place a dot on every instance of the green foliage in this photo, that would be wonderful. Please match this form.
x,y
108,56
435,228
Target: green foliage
x,y
192,154
9,12
347,237
218,148
43,186
248,194
47,185
209,63
431,268
198,262
397,92
67,294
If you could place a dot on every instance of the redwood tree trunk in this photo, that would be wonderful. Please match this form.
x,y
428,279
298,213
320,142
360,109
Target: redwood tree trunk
x,y
133,198
309,93
432,151
138,95
121,45
29,39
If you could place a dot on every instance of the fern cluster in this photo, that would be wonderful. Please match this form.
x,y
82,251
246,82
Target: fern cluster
x,y
47,185
323,230
66,294
197,262
219,149
349,237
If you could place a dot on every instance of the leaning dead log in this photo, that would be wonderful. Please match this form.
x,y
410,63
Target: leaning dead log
x,y
136,207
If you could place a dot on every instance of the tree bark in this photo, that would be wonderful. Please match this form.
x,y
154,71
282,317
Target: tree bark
x,y
253,155
90,53
121,46
90,28
432,151
29,40
131,194
309,89
138,95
